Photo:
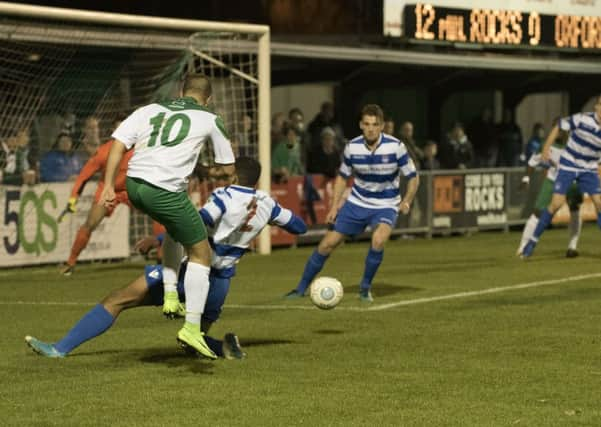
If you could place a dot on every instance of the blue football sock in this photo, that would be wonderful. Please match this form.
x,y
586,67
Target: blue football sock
x,y
372,262
543,222
312,268
95,322
215,345
599,219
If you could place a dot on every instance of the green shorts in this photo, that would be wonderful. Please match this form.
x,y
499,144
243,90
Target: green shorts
x,y
174,210
545,194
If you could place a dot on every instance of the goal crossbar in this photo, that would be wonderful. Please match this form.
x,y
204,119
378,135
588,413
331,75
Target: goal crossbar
x,y
93,17
164,36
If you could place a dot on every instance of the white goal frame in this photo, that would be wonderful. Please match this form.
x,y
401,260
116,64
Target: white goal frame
x,y
148,22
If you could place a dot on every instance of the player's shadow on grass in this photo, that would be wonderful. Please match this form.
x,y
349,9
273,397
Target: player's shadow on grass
x,y
383,289
178,359
257,342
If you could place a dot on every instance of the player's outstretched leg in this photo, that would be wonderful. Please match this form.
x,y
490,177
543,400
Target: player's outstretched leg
x,y
196,286
95,322
228,348
43,348
527,233
312,268
543,222
316,262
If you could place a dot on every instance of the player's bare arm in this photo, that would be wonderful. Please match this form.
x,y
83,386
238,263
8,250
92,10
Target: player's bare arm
x,y
339,187
112,163
546,150
412,187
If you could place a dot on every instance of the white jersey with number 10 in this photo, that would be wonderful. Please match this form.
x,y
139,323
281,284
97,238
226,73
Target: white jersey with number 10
x,y
168,137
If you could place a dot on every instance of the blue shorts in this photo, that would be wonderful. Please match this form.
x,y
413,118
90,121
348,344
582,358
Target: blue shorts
x,y
353,219
218,290
588,181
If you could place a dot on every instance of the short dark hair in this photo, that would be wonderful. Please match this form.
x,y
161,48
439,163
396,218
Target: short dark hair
x,y
198,84
248,171
373,110
294,111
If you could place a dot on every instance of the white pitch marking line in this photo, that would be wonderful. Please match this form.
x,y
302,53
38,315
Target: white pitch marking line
x,y
484,291
234,306
372,308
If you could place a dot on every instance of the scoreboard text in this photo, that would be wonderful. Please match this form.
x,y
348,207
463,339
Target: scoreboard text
x,y
501,27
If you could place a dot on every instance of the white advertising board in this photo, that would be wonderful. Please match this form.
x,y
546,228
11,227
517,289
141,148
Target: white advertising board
x,y
31,234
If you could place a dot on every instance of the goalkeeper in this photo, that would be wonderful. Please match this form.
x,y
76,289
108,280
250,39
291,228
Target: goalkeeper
x,y
235,215
98,210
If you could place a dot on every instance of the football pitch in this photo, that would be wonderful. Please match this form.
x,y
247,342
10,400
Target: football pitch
x,y
461,333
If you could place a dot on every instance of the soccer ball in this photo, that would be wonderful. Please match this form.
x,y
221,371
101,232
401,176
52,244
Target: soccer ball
x,y
326,292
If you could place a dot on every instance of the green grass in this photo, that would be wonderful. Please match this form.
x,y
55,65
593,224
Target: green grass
x,y
527,357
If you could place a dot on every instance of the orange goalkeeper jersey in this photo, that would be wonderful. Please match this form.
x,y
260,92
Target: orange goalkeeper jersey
x,y
98,163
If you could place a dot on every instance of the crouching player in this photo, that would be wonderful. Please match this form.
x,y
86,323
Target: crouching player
x,y
234,216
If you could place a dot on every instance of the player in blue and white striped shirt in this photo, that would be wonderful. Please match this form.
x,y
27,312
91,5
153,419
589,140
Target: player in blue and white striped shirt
x,y
234,216
578,162
375,160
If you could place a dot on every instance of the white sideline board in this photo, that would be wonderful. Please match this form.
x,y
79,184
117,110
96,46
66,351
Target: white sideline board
x,y
30,233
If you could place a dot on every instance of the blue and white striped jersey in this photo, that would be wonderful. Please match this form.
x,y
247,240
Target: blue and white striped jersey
x,y
583,150
234,215
376,173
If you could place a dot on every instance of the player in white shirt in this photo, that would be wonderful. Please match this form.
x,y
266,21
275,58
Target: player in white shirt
x,y
234,215
573,196
167,138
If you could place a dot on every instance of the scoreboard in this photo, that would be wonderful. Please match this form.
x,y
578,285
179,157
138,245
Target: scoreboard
x,y
423,21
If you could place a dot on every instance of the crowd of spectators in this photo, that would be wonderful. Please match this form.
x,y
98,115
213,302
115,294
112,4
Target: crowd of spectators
x,y
316,149
29,156
298,148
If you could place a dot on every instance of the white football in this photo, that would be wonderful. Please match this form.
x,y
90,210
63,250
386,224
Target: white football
x,y
326,292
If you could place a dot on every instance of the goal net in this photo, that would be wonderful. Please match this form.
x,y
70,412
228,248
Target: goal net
x,y
78,73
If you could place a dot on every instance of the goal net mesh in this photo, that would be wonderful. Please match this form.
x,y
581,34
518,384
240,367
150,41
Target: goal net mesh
x,y
79,79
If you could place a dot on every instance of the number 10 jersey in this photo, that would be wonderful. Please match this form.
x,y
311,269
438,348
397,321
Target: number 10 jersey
x,y
167,138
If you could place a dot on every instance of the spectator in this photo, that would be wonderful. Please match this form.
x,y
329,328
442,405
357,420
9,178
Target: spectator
x,y
286,156
242,142
90,136
510,140
457,151
536,141
406,136
296,118
277,123
60,164
482,132
50,124
15,168
389,126
323,119
325,160
430,162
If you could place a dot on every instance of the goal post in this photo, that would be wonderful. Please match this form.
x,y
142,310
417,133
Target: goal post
x,y
89,63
